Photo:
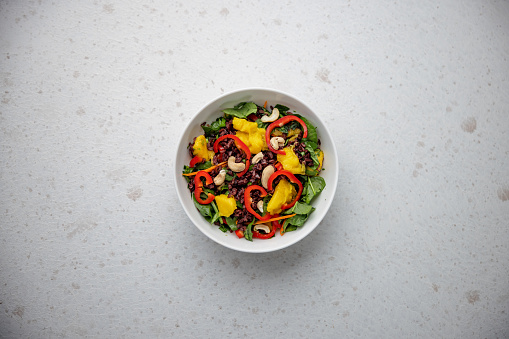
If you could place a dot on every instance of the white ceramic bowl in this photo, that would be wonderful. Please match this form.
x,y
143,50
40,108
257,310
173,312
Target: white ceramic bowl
x,y
322,202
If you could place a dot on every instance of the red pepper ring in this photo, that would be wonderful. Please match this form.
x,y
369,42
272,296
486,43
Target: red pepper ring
x,y
280,123
293,179
239,233
248,201
198,187
195,160
275,225
259,235
240,144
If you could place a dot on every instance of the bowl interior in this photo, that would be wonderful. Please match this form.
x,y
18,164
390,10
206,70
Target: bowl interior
x,y
322,202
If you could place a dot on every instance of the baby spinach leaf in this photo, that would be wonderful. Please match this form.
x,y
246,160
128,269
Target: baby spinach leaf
x,y
242,110
288,127
202,166
290,228
300,208
312,135
262,124
312,153
282,109
187,169
299,219
205,210
248,233
310,171
216,214
231,223
310,144
314,186
214,127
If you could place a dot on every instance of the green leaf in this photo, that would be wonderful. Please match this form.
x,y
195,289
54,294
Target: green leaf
x,y
248,233
216,215
299,219
310,172
202,166
186,170
312,145
282,109
266,200
312,135
205,210
242,110
290,228
207,190
262,124
314,185
223,228
214,127
312,152
228,177
300,208
231,223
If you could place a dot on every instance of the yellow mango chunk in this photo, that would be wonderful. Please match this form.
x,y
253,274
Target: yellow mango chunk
x,y
225,205
310,171
283,194
290,161
257,141
244,126
320,159
244,137
293,134
276,133
200,148
250,134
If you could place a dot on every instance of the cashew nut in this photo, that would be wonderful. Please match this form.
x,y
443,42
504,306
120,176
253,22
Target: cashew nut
x,y
277,142
260,206
219,179
272,117
257,158
267,172
261,227
235,166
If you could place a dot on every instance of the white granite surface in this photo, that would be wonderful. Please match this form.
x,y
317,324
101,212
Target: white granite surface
x,y
94,95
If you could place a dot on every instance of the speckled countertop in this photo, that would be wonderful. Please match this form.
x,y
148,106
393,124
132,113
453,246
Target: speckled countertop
x,y
94,242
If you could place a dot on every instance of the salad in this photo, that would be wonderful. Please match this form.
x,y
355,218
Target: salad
x,y
255,170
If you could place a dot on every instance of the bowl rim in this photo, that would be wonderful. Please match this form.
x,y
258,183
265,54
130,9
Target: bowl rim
x,y
332,185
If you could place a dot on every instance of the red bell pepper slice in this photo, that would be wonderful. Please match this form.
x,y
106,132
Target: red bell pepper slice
x,y
198,187
280,123
293,179
275,226
248,201
195,160
239,233
241,145
259,235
